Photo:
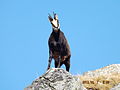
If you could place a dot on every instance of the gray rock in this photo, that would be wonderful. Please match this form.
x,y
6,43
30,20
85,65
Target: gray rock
x,y
117,87
108,70
56,79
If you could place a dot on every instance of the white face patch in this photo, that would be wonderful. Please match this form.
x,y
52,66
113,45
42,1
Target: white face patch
x,y
55,23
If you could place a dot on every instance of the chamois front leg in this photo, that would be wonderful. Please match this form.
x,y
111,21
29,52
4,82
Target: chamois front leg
x,y
59,62
49,61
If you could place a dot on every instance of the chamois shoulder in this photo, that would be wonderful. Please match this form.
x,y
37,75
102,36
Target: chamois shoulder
x,y
62,35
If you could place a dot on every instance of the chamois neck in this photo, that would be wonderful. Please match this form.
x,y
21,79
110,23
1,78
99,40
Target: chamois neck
x,y
56,34
56,30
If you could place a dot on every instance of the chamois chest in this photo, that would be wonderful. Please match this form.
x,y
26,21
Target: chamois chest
x,y
54,42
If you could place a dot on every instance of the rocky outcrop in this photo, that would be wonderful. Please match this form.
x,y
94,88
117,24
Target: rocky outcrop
x,y
106,78
108,70
117,87
56,79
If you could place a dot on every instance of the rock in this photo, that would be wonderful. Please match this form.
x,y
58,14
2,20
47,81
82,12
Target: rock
x,y
106,78
108,70
56,79
117,87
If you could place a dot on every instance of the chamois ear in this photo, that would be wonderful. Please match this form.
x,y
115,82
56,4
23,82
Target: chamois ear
x,y
50,18
55,16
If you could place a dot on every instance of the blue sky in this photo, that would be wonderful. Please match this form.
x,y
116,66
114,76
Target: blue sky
x,y
92,28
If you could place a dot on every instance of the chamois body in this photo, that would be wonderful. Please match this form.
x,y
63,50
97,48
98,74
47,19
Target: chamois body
x,y
59,49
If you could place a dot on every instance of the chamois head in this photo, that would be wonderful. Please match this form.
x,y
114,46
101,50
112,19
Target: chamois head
x,y
54,21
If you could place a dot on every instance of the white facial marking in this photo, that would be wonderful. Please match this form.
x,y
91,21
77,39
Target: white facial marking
x,y
55,23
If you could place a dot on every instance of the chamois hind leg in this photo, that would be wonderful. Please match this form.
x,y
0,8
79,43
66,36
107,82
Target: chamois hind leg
x,y
67,64
56,64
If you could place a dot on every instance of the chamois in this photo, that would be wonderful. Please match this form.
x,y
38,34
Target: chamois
x,y
59,49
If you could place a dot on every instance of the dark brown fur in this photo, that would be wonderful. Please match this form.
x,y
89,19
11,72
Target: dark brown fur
x,y
59,49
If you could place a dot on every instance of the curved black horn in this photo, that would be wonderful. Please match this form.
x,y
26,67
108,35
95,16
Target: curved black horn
x,y
55,16
54,13
50,17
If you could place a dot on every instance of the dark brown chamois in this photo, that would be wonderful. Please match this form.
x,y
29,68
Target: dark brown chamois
x,y
59,49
